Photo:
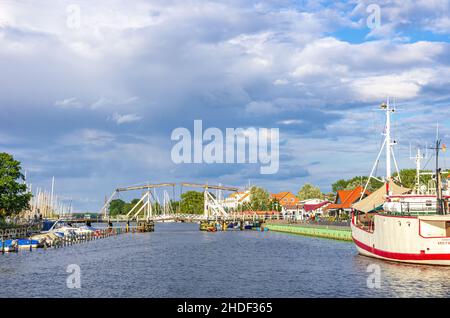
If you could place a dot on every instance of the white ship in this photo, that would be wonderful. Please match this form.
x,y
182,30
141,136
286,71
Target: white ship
x,y
404,225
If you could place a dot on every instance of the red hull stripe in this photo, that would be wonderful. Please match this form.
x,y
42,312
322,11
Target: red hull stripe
x,y
403,256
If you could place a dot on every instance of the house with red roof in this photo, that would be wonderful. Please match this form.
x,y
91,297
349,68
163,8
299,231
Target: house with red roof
x,y
285,198
290,205
344,201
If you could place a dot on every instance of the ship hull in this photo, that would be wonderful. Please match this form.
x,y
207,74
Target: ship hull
x,y
417,240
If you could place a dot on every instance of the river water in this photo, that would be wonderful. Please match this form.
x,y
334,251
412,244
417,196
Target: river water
x,y
177,260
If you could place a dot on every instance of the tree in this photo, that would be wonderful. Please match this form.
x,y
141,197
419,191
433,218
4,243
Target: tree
x,y
409,177
259,199
309,191
350,184
192,202
14,197
116,207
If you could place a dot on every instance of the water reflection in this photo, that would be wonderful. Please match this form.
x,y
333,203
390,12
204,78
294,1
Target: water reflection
x,y
407,280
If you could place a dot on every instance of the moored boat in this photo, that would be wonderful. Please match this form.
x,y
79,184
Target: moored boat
x,y
9,246
404,225
27,244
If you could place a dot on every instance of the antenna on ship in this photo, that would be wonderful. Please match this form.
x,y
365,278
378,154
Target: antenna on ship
x,y
437,148
418,159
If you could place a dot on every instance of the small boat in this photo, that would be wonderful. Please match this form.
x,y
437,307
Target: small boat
x,y
64,231
9,245
211,229
27,244
248,226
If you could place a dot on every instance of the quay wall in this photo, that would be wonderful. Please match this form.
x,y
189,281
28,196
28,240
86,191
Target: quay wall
x,y
343,233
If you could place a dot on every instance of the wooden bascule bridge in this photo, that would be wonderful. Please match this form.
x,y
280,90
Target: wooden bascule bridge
x,y
151,208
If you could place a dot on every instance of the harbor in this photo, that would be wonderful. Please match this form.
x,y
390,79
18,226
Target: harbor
x,y
224,149
178,260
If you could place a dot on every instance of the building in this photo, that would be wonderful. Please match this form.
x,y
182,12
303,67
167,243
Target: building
x,y
290,205
236,199
316,207
285,198
344,201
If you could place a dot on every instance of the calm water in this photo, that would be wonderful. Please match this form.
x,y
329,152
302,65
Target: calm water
x,y
177,260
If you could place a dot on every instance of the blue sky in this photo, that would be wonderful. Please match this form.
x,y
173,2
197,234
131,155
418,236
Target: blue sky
x,y
94,103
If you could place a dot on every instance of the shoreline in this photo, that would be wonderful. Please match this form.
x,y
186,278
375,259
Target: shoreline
x,y
335,232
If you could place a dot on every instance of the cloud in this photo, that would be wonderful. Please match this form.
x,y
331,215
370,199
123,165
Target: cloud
x,y
91,137
313,69
69,103
126,118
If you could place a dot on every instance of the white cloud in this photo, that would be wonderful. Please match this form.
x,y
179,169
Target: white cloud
x,y
69,103
88,137
125,118
291,122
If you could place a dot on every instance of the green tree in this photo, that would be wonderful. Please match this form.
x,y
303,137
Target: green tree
x,y
330,196
309,191
352,183
175,206
409,177
259,199
117,207
14,197
192,202
339,185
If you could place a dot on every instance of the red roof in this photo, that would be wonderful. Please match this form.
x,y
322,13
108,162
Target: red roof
x,y
347,198
312,207
285,198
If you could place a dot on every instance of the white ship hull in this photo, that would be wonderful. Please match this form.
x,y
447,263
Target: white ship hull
x,y
408,239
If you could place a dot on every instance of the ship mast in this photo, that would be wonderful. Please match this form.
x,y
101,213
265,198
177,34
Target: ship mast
x,y
439,206
388,143
388,140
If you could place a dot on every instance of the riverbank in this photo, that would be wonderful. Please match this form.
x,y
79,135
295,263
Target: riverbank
x,y
335,232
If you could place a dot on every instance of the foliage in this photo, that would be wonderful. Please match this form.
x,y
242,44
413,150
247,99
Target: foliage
x,y
275,205
309,191
14,197
259,199
192,202
350,184
409,178
329,196
116,207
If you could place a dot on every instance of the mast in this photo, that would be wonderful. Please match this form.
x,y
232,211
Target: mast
x,y
51,197
388,143
438,179
418,168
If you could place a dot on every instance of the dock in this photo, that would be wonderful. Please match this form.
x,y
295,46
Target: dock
x,y
342,233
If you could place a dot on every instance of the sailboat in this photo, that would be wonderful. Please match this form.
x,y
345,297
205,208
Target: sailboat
x,y
399,224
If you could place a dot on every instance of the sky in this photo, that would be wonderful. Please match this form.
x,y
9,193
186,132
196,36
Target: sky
x,y
90,92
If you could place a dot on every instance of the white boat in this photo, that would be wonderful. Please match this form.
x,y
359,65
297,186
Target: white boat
x,y
9,246
404,225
